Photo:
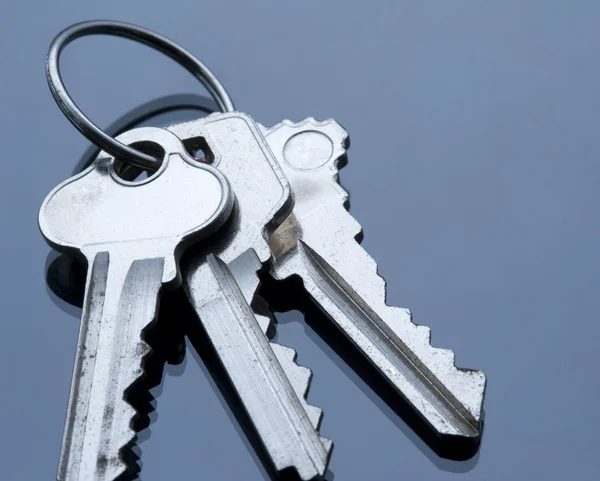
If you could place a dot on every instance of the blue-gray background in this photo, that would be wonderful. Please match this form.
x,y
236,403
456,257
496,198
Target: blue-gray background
x,y
474,171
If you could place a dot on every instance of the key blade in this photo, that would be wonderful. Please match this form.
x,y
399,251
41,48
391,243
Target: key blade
x,y
449,398
318,243
109,361
275,406
133,234
223,290
244,269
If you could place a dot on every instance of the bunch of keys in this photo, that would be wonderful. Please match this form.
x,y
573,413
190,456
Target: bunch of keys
x,y
262,205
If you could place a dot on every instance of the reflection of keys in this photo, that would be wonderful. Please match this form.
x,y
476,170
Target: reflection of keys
x,y
220,279
130,234
318,243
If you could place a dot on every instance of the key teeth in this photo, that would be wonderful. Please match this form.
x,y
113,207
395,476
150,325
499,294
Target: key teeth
x,y
138,402
315,414
422,330
327,444
300,378
446,357
467,388
305,378
463,389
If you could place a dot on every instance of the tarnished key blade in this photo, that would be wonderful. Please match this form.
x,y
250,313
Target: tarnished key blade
x,y
220,279
276,406
109,361
132,234
318,243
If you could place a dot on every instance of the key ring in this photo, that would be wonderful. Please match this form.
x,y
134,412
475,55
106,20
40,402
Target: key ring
x,y
119,29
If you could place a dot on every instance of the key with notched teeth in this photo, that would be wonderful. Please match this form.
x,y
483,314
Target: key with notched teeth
x,y
132,235
318,243
220,279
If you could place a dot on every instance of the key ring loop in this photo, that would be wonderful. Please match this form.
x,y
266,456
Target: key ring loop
x,y
119,29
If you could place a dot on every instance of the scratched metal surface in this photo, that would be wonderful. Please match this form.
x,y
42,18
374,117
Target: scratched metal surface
x,y
473,170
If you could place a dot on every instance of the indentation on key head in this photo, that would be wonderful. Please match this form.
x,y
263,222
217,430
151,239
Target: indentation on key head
x,y
183,201
308,145
311,152
308,150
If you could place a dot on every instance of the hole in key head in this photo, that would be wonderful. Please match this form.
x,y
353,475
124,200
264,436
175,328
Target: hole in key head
x,y
131,173
198,148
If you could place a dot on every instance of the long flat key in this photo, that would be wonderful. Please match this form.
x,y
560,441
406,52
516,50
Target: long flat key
x,y
132,235
220,279
318,242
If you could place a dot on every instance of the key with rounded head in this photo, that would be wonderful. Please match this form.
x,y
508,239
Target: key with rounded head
x,y
220,279
319,243
132,235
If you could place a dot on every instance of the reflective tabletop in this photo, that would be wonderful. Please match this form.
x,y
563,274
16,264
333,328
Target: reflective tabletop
x,y
473,170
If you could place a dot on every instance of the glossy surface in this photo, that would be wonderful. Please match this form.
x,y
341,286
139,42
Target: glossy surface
x,y
482,120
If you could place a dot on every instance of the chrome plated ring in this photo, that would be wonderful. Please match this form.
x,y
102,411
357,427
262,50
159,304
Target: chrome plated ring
x,y
139,34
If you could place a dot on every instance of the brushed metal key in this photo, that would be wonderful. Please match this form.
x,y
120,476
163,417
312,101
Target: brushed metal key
x,y
220,279
132,235
318,242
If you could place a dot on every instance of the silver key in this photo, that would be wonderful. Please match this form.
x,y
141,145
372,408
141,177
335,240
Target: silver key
x,y
220,279
132,235
318,243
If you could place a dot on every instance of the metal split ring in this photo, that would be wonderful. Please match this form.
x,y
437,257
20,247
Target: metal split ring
x,y
139,34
